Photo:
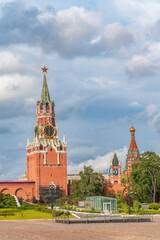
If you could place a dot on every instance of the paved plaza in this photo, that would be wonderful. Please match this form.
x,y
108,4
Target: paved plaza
x,y
46,229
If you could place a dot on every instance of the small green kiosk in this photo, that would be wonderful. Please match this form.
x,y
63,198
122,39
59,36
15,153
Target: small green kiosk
x,y
105,204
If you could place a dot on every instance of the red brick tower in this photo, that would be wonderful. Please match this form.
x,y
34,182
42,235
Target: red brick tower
x,y
133,152
46,155
115,177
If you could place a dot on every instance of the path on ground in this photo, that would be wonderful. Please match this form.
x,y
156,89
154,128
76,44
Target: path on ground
x,y
47,229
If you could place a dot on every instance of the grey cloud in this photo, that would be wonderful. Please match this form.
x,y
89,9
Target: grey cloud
x,y
12,109
71,106
152,112
82,153
70,32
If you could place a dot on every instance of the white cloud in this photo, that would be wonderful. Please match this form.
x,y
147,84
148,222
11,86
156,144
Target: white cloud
x,y
140,66
134,104
117,35
100,83
15,86
140,12
9,62
100,163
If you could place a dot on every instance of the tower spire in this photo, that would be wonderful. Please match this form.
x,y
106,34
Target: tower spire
x,y
133,145
45,93
133,152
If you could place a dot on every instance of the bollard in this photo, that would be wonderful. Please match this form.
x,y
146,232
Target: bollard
x,y
104,219
86,218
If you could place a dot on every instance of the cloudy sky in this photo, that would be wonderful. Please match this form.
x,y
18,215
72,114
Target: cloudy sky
x,y
103,60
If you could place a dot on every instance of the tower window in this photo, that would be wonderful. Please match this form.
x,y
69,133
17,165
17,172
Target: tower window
x,y
41,106
47,106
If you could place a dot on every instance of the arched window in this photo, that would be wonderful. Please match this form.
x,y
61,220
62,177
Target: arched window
x,y
47,106
41,147
41,106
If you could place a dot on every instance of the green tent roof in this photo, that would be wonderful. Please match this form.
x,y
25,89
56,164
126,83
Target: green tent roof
x,y
45,93
115,161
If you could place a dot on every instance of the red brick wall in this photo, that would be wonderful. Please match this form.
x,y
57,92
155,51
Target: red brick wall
x,y
20,189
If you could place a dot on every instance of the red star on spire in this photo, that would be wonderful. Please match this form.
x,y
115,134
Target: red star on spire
x,y
44,69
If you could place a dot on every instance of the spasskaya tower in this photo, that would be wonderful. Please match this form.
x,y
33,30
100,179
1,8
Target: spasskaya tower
x,y
46,154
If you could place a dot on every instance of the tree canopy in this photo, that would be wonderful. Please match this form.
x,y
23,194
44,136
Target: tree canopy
x,y
146,175
91,183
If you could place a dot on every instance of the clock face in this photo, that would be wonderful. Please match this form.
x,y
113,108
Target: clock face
x,y
49,131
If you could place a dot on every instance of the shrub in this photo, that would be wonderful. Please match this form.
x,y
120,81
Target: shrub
x,y
149,211
57,213
136,205
124,208
154,206
7,201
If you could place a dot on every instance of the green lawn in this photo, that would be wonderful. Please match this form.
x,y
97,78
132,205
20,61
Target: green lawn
x,y
27,214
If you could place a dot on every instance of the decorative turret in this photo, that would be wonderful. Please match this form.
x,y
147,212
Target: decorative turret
x,y
133,152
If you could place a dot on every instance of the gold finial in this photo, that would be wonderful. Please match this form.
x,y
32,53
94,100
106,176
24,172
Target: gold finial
x,y
132,129
132,121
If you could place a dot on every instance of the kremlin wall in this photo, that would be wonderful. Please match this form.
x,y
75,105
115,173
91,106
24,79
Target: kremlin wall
x,y
47,158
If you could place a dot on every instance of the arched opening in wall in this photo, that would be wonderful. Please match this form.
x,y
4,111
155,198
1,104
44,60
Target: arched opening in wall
x,y
47,106
41,106
5,190
41,147
20,193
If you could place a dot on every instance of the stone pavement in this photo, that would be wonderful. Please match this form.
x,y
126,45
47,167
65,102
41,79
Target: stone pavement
x,y
46,230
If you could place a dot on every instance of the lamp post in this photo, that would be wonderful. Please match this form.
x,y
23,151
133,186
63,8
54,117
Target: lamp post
x,y
52,189
61,190
129,202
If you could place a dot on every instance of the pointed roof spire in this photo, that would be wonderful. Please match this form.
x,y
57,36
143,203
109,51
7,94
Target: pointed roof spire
x,y
45,93
115,161
133,145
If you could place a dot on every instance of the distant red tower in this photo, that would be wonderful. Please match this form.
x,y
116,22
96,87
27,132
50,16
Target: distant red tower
x,y
133,152
46,154
115,177
113,181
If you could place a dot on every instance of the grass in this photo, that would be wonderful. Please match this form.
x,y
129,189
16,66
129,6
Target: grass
x,y
29,214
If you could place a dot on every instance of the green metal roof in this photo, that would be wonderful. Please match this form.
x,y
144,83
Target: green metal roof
x,y
45,93
115,161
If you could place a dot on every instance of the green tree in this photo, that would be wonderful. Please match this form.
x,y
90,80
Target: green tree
x,y
146,174
91,183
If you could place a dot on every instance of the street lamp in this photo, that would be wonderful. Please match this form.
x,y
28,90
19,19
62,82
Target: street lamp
x,y
52,189
129,201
